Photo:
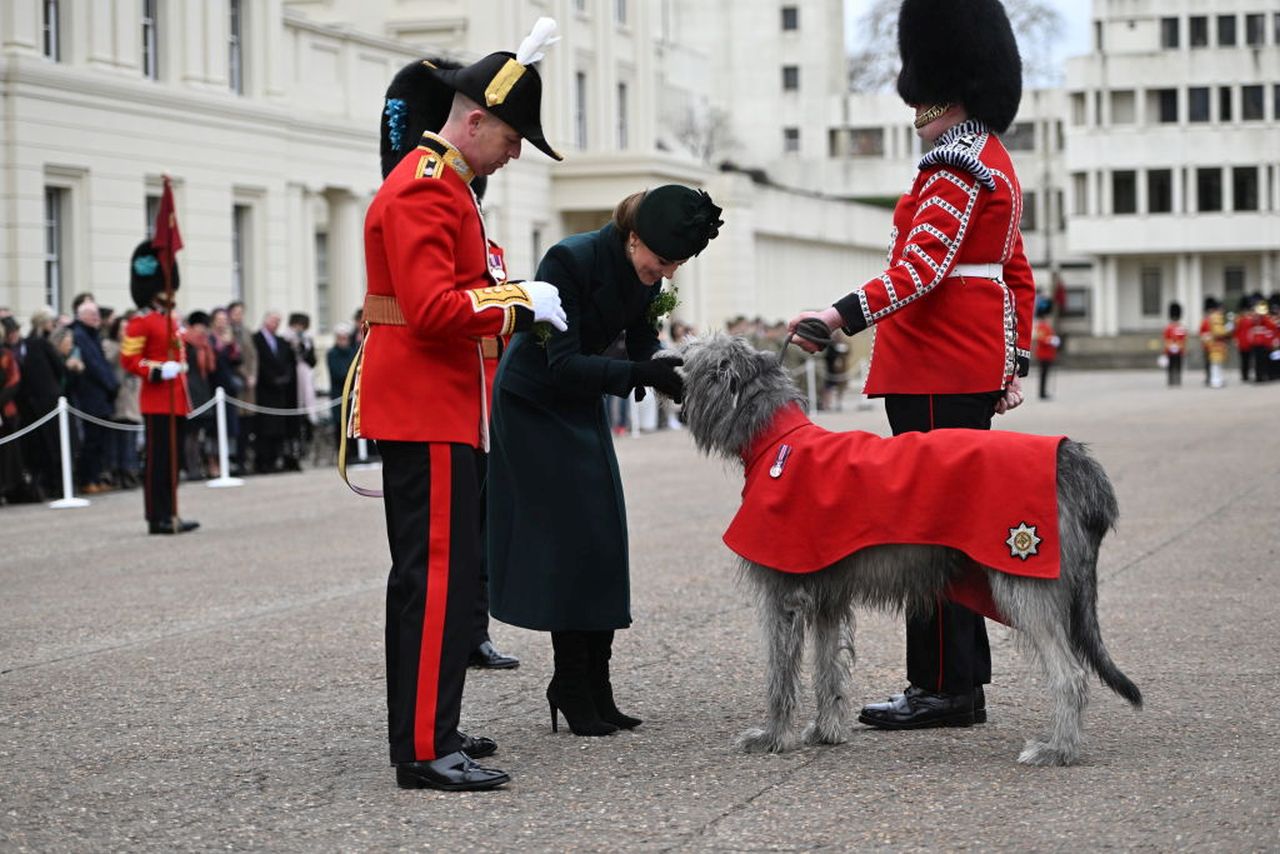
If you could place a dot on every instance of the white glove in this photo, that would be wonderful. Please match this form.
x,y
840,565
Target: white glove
x,y
546,304
169,370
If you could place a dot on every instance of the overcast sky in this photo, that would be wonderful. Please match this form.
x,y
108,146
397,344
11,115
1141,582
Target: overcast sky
x,y
1075,13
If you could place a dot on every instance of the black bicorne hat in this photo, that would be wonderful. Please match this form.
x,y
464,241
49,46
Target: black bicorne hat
x,y
677,222
960,52
417,101
146,279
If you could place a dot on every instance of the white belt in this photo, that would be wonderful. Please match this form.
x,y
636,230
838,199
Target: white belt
x,y
977,271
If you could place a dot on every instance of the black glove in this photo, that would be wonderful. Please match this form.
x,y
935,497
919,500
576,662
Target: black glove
x,y
660,374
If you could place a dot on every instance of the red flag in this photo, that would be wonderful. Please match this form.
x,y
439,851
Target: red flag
x,y
167,240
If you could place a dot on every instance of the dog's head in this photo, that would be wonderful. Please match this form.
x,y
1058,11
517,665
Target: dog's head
x,y
731,392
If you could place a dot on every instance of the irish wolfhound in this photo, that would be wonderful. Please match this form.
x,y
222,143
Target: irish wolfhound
x,y
732,394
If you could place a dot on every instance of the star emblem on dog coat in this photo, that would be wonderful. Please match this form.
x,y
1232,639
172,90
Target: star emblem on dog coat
x,y
1023,542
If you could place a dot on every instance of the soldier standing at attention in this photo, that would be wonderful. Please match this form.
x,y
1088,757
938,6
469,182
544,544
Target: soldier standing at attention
x,y
953,310
419,382
151,350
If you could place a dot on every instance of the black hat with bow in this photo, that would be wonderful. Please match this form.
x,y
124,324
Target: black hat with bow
x,y
677,222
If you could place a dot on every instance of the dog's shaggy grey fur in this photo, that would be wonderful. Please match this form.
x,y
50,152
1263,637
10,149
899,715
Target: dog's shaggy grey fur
x,y
731,393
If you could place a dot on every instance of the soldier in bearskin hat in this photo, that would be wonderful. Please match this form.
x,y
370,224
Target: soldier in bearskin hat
x,y
953,311
418,388
152,349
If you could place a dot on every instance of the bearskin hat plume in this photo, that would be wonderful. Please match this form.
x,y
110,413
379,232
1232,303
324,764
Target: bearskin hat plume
x,y
417,101
960,52
146,278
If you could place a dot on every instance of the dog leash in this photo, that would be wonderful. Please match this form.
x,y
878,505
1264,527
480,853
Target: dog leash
x,y
811,329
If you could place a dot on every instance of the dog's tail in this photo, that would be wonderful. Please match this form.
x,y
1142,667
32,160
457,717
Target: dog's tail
x,y
1084,478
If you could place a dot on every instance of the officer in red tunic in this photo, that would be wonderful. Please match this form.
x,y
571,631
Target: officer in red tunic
x,y
419,384
153,350
953,310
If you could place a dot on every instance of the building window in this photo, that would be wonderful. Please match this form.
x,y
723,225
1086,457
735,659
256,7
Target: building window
x,y
1168,32
235,47
1209,189
1251,103
1124,108
51,30
1080,194
1077,109
151,209
1097,36
1059,210
322,282
866,142
790,18
1160,191
1255,30
1152,292
1275,100
1199,36
1226,31
620,11
1198,104
622,116
1059,133
1124,191
790,78
55,221
535,243
1244,188
1224,103
241,222
150,40
1167,105
1275,28
791,140
580,110
580,5
1232,284
1021,136
1028,221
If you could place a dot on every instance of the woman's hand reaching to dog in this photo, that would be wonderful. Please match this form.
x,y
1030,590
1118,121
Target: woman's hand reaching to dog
x,y
1012,398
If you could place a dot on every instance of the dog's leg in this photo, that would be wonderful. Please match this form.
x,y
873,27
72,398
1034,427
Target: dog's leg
x,y
832,638
782,617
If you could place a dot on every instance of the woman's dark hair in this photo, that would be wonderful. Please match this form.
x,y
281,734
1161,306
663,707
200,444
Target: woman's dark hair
x,y
624,215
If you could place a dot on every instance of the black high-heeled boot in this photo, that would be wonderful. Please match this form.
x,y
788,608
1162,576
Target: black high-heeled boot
x,y
569,691
600,645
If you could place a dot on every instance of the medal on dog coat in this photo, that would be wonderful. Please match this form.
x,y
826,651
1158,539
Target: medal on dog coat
x,y
990,494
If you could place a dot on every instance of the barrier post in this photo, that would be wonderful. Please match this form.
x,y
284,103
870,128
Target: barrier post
x,y
224,457
68,499
811,381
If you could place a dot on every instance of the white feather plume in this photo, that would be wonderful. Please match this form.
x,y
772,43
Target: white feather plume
x,y
542,36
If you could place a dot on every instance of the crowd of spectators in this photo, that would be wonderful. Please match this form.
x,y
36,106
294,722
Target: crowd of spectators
x,y
77,356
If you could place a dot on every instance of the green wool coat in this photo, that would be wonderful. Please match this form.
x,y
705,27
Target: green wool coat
x,y
557,525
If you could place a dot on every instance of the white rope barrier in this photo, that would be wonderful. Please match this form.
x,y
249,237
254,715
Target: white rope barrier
x,y
271,410
48,416
111,425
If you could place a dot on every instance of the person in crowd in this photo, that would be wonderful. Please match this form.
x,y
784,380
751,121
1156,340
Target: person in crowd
x,y
1264,338
1045,342
338,361
43,371
93,393
420,390
277,388
557,538
248,384
152,349
122,457
298,427
1175,343
199,451
1241,325
227,376
1214,334
12,483
953,310
836,359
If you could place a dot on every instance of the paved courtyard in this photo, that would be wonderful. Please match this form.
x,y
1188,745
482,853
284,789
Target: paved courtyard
x,y
224,690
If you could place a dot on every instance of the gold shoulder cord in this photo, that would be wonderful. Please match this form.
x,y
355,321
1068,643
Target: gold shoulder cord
x,y
345,410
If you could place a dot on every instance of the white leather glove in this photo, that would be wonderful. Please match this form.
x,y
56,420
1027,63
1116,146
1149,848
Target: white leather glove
x,y
546,304
169,370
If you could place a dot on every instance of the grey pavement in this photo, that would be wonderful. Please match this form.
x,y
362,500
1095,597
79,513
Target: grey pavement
x,y
224,690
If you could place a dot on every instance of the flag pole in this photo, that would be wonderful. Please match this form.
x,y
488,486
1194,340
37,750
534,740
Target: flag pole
x,y
171,329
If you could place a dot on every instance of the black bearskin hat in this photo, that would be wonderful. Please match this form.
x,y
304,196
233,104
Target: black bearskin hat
x,y
417,101
960,52
146,279
1175,311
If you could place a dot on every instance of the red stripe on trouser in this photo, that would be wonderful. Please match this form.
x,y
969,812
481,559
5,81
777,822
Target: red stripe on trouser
x,y
437,597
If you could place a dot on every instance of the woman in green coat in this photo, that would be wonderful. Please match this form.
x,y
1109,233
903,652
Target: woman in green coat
x,y
557,525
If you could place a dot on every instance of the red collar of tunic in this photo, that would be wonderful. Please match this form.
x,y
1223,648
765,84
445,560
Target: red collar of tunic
x,y
812,497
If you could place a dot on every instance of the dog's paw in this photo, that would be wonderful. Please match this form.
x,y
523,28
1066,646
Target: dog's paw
x,y
1041,754
815,733
757,740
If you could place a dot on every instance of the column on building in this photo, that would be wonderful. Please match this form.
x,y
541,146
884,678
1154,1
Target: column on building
x,y
346,258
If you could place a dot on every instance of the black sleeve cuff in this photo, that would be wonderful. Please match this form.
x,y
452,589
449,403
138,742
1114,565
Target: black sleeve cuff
x,y
154,375
519,319
850,309
1024,366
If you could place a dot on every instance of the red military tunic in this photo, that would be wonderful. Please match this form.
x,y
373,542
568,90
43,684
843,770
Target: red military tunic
x,y
422,379
939,332
1046,341
152,338
1175,338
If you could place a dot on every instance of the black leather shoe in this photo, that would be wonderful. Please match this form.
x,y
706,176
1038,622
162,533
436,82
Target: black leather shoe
x,y
917,708
171,526
487,657
478,746
453,773
979,705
